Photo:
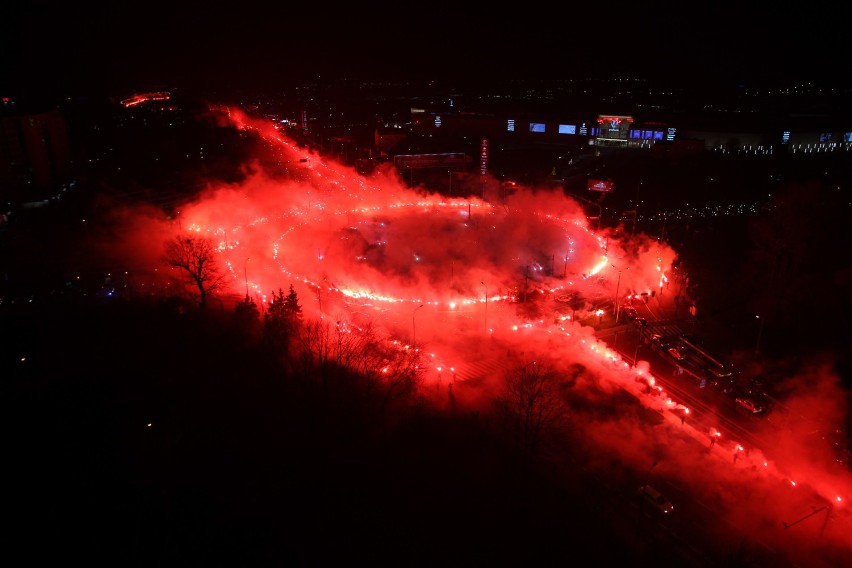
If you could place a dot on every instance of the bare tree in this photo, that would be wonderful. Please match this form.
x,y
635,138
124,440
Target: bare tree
x,y
325,349
196,257
532,404
384,370
395,370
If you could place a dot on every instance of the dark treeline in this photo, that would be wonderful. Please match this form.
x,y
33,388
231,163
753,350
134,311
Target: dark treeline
x,y
141,434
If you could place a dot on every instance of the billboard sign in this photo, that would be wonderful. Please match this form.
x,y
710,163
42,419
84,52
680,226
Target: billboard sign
x,y
601,185
483,156
614,127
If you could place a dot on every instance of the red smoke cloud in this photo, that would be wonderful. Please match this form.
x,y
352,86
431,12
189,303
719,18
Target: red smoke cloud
x,y
371,250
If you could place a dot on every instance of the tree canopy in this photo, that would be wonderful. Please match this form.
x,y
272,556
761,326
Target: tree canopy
x,y
195,257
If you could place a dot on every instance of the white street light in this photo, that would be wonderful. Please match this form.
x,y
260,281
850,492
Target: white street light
x,y
486,307
636,357
617,286
245,273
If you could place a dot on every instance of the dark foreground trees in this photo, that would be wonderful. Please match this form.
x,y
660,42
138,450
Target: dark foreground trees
x,y
532,406
142,435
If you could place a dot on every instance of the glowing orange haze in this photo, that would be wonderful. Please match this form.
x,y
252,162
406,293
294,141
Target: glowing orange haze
x,y
371,250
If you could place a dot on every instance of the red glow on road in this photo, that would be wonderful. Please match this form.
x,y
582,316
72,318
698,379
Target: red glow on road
x,y
370,251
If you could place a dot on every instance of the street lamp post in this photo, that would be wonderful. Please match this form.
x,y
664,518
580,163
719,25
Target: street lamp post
x,y
617,287
486,306
245,274
413,329
636,356
617,305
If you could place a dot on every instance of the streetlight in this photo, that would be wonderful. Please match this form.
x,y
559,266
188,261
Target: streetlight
x,y
617,286
486,307
413,329
635,357
245,273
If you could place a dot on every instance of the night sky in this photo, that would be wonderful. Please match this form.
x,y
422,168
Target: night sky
x,y
80,47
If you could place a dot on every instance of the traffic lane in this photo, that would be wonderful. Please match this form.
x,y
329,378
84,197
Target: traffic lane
x,y
710,410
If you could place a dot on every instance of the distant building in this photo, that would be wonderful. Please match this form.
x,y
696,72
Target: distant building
x,y
734,134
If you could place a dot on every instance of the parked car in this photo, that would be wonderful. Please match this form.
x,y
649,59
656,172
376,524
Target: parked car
x,y
655,499
663,341
750,404
675,353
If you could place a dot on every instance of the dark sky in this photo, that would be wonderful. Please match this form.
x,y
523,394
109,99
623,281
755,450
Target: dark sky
x,y
86,46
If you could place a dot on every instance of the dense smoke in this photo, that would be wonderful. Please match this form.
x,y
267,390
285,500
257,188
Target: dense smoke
x,y
457,277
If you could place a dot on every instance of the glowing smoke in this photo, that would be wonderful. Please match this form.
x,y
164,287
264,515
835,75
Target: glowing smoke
x,y
369,249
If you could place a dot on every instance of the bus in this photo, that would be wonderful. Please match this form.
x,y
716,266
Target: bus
x,y
703,358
